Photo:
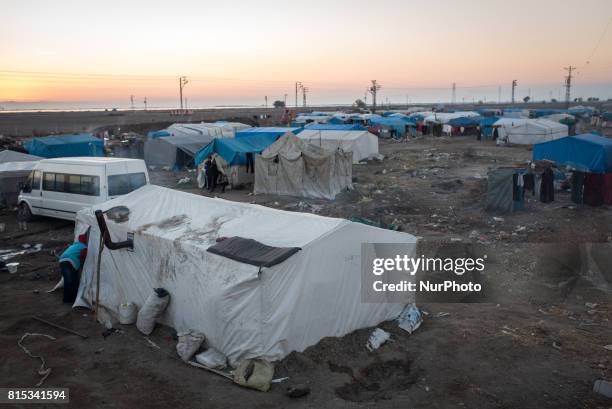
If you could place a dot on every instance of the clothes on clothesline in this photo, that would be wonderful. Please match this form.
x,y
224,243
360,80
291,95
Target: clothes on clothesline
x,y
547,187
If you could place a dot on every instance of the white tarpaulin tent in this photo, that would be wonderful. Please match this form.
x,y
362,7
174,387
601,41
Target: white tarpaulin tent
x,y
362,144
14,169
293,167
245,311
444,117
219,129
523,131
171,151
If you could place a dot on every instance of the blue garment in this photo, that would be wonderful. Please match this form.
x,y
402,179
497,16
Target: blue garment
x,y
73,254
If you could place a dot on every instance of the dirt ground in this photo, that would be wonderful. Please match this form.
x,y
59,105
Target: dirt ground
x,y
536,344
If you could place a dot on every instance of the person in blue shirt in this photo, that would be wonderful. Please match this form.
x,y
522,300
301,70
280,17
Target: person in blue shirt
x,y
71,262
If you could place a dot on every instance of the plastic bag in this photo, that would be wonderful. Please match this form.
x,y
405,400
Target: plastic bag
x,y
152,309
212,358
127,313
410,319
188,344
254,374
377,338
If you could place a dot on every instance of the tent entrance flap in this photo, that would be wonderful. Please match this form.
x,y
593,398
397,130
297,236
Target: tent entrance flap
x,y
252,252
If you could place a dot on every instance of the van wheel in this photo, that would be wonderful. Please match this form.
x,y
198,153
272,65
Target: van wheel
x,y
24,213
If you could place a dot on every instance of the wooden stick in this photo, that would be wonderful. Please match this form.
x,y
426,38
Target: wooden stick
x,y
99,261
220,373
71,331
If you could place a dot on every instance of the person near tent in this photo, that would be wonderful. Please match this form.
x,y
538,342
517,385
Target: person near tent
x,y
250,163
207,164
71,262
212,174
547,189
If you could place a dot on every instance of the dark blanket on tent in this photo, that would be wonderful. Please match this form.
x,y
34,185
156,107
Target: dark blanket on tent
x,y
252,252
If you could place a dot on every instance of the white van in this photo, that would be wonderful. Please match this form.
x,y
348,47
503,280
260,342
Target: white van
x,y
61,187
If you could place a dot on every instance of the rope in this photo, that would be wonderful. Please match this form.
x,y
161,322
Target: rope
x,y
42,371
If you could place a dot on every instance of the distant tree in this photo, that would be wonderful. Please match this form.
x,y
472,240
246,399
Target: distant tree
x,y
526,99
360,104
279,104
578,99
592,99
480,102
554,100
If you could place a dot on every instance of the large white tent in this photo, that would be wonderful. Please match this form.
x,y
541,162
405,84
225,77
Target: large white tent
x,y
14,170
362,144
523,131
293,167
219,129
444,117
244,310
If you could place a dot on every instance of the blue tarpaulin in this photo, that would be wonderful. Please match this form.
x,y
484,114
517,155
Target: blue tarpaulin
x,y
334,127
465,121
336,120
586,152
486,124
58,146
158,134
234,150
545,112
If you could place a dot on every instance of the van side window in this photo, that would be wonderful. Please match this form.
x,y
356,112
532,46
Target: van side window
x,y
68,183
36,180
126,183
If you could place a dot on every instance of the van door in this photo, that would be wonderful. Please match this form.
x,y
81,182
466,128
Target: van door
x,y
35,195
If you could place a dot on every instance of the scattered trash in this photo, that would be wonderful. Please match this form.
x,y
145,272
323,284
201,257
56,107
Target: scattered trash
x,y
442,314
608,347
603,388
109,331
410,319
212,358
498,219
377,338
2,227
12,267
153,307
152,344
590,305
60,284
43,370
127,313
298,391
556,345
279,380
184,180
118,214
188,344
26,245
71,331
254,374
36,291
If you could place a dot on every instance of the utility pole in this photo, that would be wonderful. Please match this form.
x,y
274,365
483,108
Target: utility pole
x,y
266,98
145,103
304,92
182,82
285,100
132,102
374,89
568,85
513,88
298,85
365,96
453,100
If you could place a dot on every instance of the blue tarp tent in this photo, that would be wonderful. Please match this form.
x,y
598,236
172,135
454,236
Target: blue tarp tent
x,y
336,120
486,124
334,127
58,146
545,112
586,152
465,121
234,150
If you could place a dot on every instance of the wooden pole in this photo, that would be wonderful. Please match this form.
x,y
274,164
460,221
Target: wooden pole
x,y
99,261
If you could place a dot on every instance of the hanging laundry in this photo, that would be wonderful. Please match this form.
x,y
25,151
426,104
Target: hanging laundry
x,y
577,186
593,189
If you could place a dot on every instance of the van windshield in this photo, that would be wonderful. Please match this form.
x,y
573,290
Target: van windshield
x,y
125,183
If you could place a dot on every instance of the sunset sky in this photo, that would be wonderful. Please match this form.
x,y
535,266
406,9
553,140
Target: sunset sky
x,y
236,52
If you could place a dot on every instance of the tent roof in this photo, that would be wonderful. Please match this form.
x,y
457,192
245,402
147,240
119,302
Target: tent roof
x,y
234,150
84,144
266,130
336,127
465,121
12,156
586,152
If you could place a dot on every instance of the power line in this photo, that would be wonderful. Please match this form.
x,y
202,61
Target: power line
x,y
603,34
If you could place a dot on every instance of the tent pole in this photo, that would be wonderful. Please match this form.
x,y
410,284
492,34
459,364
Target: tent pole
x,y
99,261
